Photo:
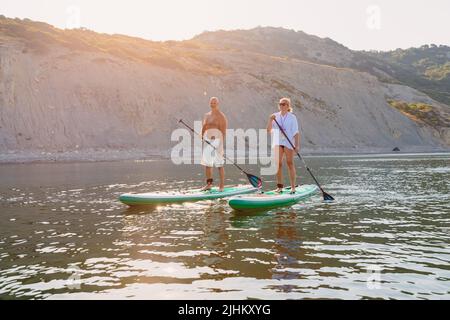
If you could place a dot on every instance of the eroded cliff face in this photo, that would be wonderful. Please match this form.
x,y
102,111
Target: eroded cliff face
x,y
126,93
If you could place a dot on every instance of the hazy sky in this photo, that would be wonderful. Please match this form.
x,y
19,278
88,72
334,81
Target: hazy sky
x,y
358,24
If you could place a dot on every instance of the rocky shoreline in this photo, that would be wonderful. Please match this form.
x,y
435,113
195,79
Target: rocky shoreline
x,y
99,155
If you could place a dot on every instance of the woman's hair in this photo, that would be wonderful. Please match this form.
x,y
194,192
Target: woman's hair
x,y
288,102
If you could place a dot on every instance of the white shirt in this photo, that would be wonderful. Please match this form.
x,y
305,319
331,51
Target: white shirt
x,y
289,124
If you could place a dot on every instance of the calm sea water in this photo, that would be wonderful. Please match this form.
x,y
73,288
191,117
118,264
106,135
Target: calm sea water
x,y
64,235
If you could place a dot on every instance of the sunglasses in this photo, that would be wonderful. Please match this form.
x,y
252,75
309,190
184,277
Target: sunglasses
x,y
283,104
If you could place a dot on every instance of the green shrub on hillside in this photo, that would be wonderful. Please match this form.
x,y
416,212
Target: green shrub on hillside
x,y
422,113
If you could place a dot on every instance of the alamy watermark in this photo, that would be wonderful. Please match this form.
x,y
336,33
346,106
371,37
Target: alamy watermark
x,y
373,277
73,20
251,144
373,21
74,280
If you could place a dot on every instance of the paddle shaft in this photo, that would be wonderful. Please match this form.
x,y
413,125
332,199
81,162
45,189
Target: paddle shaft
x,y
181,120
300,156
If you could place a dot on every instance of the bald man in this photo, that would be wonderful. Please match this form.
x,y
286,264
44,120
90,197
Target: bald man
x,y
214,129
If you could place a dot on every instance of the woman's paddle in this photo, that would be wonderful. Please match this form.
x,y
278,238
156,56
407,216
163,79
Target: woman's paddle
x,y
326,196
254,180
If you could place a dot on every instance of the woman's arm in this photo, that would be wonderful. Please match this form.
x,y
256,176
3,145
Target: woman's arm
x,y
297,142
269,123
296,135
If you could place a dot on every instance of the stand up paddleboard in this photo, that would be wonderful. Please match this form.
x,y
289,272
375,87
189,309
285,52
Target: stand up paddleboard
x,y
272,199
154,198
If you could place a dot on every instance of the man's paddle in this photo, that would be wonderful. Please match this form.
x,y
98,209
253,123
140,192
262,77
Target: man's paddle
x,y
326,196
254,180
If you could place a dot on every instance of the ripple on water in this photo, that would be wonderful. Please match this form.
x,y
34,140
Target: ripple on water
x,y
385,236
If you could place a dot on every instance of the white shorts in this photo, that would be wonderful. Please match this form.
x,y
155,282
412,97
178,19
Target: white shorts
x,y
212,157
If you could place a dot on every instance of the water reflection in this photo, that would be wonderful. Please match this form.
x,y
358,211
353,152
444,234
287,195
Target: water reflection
x,y
391,217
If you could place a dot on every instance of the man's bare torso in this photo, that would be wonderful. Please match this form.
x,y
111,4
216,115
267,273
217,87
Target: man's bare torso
x,y
214,120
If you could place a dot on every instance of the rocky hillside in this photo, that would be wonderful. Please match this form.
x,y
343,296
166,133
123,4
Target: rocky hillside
x,y
426,68
63,90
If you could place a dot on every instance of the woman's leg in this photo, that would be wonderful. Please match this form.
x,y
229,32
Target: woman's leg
x,y
291,167
280,151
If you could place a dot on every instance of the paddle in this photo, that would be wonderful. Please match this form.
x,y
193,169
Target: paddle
x,y
254,180
326,196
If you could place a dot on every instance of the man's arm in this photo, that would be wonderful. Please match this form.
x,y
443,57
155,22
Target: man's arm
x,y
203,125
223,127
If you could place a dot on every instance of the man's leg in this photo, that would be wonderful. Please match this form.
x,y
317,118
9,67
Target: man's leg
x,y
219,162
208,172
222,178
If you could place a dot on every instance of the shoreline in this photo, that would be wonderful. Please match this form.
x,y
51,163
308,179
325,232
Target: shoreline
x,y
108,155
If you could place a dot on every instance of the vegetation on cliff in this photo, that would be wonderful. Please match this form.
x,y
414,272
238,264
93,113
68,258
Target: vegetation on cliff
x,y
422,113
426,68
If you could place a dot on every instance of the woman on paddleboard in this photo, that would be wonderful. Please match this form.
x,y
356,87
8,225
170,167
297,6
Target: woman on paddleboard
x,y
283,149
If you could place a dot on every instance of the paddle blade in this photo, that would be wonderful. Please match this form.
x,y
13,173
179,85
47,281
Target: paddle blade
x,y
254,180
327,197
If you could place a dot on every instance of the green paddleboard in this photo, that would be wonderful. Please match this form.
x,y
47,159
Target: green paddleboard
x,y
154,198
272,199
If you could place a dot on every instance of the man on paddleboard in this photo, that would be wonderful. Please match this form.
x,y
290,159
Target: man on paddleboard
x,y
214,130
